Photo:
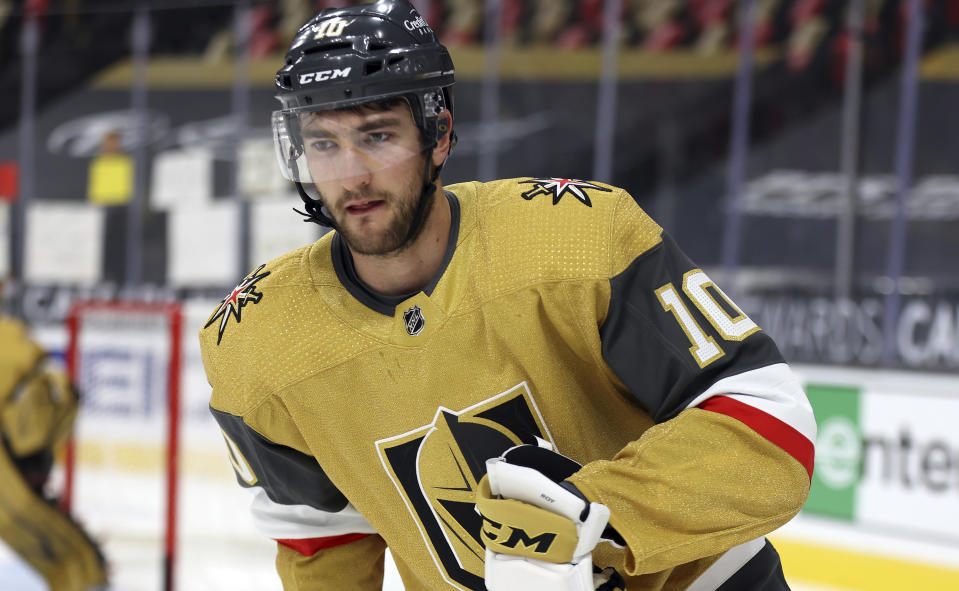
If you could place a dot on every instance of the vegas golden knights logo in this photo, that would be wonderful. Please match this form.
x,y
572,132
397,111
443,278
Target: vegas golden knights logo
x,y
437,468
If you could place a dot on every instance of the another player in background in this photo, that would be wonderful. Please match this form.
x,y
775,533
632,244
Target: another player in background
x,y
37,408
420,378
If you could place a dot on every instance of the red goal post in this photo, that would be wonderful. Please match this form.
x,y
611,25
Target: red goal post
x,y
125,358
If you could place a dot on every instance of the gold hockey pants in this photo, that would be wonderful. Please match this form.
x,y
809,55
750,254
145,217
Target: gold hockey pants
x,y
52,543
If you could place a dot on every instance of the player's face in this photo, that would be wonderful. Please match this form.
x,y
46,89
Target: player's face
x,y
368,168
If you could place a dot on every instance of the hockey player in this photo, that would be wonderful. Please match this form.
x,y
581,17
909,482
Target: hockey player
x,y
521,384
37,408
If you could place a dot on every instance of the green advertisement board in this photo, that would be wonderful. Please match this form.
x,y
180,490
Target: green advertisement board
x,y
838,468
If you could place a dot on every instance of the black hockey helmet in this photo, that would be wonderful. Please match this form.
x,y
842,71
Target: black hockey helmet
x,y
346,57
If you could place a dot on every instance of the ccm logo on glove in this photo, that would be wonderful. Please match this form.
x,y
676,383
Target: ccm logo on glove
x,y
538,533
515,527
510,537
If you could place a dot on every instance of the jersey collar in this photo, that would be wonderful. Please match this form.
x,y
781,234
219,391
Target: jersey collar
x,y
386,304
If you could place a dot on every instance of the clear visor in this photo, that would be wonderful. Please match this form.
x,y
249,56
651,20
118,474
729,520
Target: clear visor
x,y
321,146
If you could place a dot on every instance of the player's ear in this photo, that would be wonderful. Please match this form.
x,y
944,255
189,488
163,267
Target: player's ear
x,y
444,127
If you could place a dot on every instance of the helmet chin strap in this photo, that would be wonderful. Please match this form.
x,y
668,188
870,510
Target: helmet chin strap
x,y
314,207
422,206
429,187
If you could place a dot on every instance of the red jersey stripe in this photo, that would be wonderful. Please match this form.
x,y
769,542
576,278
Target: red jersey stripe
x,y
310,546
776,431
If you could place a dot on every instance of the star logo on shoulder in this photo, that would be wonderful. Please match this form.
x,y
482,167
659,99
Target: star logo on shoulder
x,y
243,294
559,187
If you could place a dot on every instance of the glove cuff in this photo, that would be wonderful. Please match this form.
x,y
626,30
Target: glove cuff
x,y
513,573
609,532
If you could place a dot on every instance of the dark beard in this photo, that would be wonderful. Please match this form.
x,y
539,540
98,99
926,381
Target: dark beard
x,y
406,226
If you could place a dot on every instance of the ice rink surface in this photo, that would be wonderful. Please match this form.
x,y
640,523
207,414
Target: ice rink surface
x,y
243,561
219,549
17,577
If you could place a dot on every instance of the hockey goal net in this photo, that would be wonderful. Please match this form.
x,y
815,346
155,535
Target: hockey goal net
x,y
121,470
147,472
149,475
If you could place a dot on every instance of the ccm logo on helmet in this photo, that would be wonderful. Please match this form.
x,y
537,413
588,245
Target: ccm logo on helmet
x,y
325,75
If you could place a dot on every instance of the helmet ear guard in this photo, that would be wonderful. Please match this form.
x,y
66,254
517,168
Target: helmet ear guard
x,y
444,127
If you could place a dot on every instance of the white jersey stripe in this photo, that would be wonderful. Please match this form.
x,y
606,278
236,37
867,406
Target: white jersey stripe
x,y
727,565
774,390
293,522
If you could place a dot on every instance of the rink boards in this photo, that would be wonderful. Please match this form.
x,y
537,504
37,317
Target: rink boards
x,y
884,499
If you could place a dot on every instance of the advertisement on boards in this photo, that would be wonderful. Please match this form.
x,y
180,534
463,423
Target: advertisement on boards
x,y
887,452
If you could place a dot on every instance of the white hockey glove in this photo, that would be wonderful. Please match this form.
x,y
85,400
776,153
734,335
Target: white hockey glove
x,y
538,533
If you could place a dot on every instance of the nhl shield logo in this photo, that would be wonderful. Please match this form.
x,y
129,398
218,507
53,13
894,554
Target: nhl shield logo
x,y
414,321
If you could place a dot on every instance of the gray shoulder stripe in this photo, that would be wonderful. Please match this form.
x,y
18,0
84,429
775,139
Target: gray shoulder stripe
x,y
288,476
649,350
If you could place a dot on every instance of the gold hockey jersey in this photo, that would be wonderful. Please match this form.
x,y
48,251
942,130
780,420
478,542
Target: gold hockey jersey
x,y
562,313
37,409
37,404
